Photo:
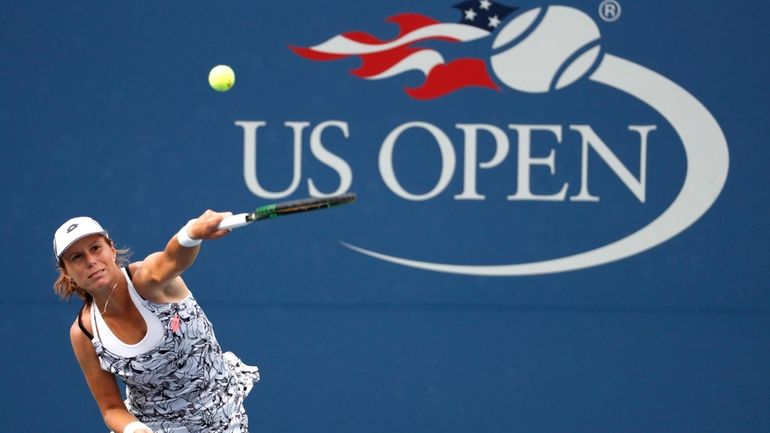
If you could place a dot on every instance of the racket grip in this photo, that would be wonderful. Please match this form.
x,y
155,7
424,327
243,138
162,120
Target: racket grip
x,y
234,221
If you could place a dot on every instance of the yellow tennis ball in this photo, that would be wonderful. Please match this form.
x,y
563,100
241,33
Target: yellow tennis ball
x,y
221,78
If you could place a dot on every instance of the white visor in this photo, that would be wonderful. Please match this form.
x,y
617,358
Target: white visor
x,y
74,230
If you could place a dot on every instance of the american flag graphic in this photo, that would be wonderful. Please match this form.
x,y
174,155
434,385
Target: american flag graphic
x,y
382,59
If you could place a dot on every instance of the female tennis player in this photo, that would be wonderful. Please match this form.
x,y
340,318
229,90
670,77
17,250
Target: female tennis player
x,y
139,322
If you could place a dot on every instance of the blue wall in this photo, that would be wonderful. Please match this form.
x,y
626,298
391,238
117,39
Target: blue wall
x,y
106,111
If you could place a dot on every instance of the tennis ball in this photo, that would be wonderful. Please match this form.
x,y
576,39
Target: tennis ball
x,y
558,51
221,78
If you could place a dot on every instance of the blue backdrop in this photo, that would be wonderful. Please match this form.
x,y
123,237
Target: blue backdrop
x,y
106,111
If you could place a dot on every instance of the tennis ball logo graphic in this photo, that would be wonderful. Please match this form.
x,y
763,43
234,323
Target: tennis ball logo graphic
x,y
538,55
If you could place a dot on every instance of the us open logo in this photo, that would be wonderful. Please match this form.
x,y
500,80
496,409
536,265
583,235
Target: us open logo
x,y
538,51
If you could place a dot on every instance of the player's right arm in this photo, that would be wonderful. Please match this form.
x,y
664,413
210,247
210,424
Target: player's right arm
x,y
101,383
157,277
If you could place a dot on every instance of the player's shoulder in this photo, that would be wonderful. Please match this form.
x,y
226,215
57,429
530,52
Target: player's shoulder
x,y
134,267
138,274
150,288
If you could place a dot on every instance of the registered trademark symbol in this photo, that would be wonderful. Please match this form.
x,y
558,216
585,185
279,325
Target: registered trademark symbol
x,y
609,10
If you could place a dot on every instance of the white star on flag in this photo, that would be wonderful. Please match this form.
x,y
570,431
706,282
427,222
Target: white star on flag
x,y
494,22
485,4
470,14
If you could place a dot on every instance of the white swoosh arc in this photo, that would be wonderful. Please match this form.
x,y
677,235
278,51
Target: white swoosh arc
x,y
707,157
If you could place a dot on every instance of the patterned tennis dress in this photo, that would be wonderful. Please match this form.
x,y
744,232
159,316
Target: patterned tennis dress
x,y
185,384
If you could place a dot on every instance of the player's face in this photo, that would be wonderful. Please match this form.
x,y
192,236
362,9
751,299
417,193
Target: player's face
x,y
91,263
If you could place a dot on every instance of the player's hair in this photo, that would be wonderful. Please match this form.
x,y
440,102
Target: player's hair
x,y
65,287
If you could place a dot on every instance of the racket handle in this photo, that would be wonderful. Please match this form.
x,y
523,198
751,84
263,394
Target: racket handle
x,y
234,221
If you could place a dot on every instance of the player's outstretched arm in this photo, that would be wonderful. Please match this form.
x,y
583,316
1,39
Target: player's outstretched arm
x,y
159,271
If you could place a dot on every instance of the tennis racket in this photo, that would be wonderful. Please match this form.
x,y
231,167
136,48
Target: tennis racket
x,y
285,208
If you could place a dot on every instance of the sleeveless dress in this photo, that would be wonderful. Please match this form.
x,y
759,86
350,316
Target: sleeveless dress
x,y
185,384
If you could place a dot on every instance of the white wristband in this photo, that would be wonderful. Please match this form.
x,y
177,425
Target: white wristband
x,y
134,426
184,239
